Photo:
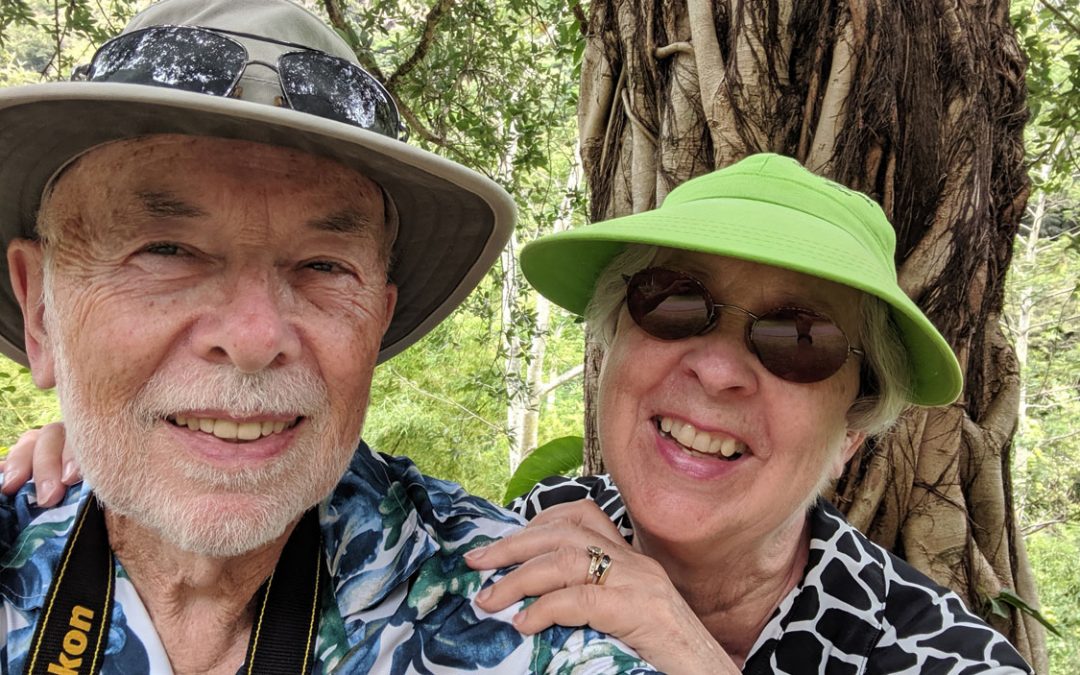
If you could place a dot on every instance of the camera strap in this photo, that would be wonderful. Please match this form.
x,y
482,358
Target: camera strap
x,y
72,631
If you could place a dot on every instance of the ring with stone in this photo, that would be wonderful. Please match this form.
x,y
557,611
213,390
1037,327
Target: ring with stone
x,y
602,570
596,555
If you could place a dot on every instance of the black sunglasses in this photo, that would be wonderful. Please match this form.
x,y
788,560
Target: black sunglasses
x,y
795,344
208,61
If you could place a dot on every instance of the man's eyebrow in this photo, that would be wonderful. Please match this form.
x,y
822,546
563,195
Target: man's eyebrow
x,y
168,205
346,221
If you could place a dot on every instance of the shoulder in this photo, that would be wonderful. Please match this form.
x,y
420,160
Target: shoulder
x,y
396,544
560,490
859,604
924,627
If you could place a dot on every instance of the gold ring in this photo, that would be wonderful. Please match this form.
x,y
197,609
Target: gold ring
x,y
602,570
596,555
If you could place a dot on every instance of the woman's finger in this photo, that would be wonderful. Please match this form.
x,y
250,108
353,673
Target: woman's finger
x,y
536,540
48,464
19,462
572,606
563,567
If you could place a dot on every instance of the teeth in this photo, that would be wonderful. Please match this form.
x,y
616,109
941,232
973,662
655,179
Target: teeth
x,y
229,430
727,447
700,441
684,433
225,429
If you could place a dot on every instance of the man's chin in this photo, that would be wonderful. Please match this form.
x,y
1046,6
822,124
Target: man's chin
x,y
214,525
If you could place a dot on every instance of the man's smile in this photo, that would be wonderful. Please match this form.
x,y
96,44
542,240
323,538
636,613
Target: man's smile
x,y
234,430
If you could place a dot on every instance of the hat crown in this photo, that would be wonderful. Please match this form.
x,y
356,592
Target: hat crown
x,y
781,180
275,19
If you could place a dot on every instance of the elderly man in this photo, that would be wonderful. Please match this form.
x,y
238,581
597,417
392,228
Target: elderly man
x,y
212,243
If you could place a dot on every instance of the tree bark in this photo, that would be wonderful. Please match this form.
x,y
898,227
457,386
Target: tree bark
x,y
922,106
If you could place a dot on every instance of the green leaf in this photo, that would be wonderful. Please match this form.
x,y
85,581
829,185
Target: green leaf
x,y
1008,597
554,458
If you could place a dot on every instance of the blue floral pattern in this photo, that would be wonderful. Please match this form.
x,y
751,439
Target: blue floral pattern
x,y
401,600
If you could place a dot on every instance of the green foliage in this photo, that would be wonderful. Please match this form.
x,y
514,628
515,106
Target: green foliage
x,y
560,457
1054,553
22,405
1008,598
1050,36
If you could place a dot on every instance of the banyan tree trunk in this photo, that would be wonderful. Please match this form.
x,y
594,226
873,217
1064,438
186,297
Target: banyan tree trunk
x,y
921,104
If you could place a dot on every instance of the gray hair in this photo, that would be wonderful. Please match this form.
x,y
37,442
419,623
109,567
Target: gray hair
x,y
885,376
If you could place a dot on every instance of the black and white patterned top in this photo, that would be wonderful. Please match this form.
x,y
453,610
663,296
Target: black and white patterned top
x,y
858,609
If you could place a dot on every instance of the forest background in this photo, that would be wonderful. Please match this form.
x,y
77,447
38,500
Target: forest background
x,y
493,84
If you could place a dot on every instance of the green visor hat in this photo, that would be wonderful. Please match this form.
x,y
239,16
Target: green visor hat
x,y
766,209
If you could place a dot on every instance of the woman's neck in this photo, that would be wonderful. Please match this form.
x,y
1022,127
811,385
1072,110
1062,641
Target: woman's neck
x,y
734,586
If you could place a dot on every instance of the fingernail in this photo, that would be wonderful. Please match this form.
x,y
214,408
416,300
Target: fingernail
x,y
69,471
518,619
476,553
45,491
482,596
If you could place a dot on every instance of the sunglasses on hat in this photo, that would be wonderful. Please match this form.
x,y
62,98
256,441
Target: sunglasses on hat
x,y
208,61
795,344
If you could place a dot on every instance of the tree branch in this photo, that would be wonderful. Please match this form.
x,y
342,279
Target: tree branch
x,y
1061,15
636,121
582,19
416,125
431,24
674,48
1032,529
441,399
559,381
337,18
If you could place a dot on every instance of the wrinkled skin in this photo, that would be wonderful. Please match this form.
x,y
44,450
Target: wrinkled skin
x,y
717,543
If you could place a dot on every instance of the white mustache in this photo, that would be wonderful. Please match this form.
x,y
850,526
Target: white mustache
x,y
293,392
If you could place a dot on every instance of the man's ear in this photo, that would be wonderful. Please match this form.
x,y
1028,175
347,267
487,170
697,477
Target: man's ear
x,y
853,440
391,304
26,264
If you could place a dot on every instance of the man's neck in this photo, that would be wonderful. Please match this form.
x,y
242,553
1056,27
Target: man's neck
x,y
201,606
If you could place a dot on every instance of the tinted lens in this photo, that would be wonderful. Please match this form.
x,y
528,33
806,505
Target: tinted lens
x,y
667,304
330,87
798,345
177,57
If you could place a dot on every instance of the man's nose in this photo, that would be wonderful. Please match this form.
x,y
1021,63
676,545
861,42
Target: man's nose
x,y
252,327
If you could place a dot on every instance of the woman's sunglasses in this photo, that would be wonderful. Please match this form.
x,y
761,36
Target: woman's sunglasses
x,y
797,345
207,61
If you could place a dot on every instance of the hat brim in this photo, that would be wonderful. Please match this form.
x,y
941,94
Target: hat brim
x,y
565,266
453,222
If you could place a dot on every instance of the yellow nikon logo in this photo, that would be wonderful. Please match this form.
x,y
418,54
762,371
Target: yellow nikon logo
x,y
75,642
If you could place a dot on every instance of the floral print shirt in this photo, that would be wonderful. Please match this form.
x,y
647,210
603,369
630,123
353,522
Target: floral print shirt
x,y
401,600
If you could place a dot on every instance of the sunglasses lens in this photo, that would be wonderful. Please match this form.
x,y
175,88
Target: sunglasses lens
x,y
180,58
668,305
333,88
799,345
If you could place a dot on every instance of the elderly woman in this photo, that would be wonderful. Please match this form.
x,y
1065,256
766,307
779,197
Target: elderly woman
x,y
755,336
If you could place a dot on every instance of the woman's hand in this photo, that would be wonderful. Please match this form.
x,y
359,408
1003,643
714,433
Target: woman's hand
x,y
636,603
43,455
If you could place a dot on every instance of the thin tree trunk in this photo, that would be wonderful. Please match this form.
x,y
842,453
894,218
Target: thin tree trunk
x,y
919,104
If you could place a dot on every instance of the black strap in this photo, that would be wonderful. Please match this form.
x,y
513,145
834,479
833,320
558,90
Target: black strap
x,y
75,619
287,606
70,637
